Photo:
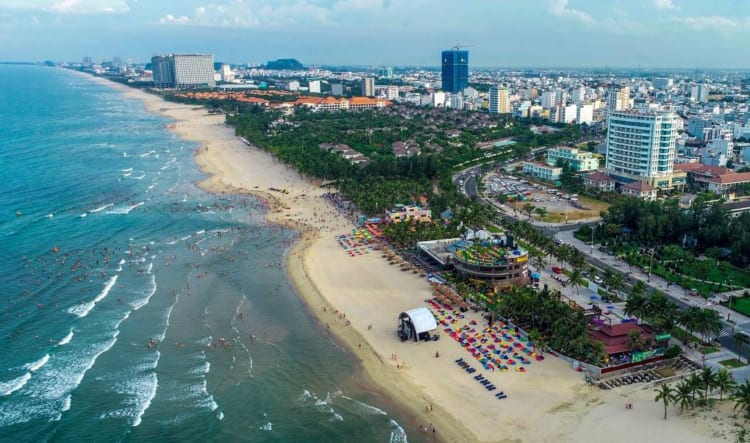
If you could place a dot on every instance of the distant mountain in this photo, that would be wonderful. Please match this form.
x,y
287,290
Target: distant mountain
x,y
285,64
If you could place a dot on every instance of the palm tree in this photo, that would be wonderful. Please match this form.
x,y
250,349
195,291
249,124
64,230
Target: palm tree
x,y
741,396
636,306
665,394
724,382
528,208
708,380
690,319
695,383
616,284
709,324
684,395
576,280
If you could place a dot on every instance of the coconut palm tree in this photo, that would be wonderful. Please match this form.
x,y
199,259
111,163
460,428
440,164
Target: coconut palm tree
x,y
695,383
576,280
724,382
665,394
741,396
616,284
709,324
708,380
528,208
636,306
683,394
690,319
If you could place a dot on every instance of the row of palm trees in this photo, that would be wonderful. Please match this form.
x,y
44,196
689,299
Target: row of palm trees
x,y
698,388
551,322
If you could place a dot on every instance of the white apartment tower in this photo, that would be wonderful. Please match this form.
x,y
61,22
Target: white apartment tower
x,y
499,102
367,86
549,99
642,147
183,70
618,100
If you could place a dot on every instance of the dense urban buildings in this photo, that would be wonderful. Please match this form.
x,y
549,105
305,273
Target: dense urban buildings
x,y
183,70
499,103
455,72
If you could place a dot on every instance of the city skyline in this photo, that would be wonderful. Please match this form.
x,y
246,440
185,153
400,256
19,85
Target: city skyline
x,y
546,33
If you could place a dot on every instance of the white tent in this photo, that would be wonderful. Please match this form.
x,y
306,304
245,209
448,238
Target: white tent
x,y
416,321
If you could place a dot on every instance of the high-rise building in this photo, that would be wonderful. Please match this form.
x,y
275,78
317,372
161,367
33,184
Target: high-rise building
x,y
455,70
699,93
226,73
499,103
183,70
386,72
662,83
549,99
585,114
313,86
391,92
367,86
642,147
337,89
618,99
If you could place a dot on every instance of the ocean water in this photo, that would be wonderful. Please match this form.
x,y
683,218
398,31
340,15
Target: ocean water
x,y
137,307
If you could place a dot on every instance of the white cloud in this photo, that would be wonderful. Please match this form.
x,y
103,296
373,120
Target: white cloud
x,y
664,4
717,22
200,10
560,8
169,18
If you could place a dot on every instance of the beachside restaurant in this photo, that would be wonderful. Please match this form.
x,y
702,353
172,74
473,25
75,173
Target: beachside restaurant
x,y
501,263
618,343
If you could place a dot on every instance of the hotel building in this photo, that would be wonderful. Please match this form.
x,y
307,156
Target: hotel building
x,y
642,147
183,71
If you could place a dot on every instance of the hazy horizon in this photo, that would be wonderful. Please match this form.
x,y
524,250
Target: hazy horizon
x,y
546,34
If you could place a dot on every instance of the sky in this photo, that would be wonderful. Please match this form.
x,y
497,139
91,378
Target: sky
x,y
688,34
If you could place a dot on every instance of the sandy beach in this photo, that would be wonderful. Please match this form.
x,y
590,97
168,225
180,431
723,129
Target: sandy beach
x,y
357,300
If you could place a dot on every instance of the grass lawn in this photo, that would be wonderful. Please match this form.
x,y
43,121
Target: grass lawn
x,y
708,350
741,305
683,336
732,363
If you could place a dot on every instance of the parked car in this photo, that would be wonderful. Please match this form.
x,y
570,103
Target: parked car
x,y
557,270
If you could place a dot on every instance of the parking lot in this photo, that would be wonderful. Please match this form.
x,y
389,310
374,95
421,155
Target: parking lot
x,y
558,205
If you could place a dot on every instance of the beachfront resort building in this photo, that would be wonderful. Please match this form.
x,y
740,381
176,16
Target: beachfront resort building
x,y
542,171
579,161
642,147
183,71
496,259
341,104
408,212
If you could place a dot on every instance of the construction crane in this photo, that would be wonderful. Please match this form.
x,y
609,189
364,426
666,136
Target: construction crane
x,y
458,46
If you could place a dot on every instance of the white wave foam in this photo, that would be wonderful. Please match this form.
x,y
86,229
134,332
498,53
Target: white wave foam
x,y
266,427
83,309
101,208
140,177
127,170
83,215
50,215
336,417
127,174
150,267
398,435
144,301
150,394
36,365
364,408
202,231
66,404
9,387
65,340
147,154
124,209
220,416
202,369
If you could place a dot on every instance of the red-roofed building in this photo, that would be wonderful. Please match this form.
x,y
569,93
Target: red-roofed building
x,y
721,181
639,189
616,338
599,180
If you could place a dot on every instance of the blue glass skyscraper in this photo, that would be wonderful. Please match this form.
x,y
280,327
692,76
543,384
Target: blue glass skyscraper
x,y
455,70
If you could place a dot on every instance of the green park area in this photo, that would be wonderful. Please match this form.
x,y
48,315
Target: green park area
x,y
741,305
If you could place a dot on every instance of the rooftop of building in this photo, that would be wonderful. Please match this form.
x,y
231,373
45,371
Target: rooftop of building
x,y
599,176
639,186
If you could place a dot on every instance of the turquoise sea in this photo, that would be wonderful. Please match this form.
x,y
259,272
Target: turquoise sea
x,y
136,307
